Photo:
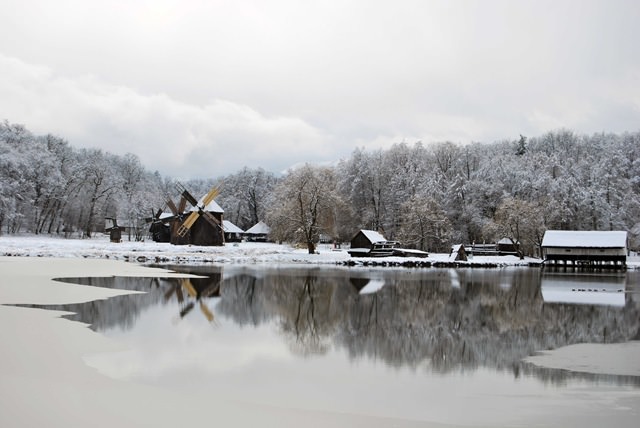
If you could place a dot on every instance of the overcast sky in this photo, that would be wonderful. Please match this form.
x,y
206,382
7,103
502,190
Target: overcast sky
x,y
203,88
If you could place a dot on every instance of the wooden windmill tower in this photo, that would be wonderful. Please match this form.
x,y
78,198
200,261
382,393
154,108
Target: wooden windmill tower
x,y
201,225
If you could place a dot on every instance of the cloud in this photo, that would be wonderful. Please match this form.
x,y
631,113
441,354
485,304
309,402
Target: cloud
x,y
173,137
206,87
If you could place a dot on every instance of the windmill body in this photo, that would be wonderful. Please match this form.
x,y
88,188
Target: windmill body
x,y
201,224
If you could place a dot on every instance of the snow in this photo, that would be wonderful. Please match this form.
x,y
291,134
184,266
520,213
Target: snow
x,y
212,207
259,229
99,247
230,227
585,239
373,236
373,286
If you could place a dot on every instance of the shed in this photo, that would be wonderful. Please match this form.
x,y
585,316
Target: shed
x,y
506,245
362,242
258,232
458,254
366,238
232,233
585,248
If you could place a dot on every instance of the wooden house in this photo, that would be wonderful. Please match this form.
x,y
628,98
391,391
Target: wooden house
x,y
585,248
258,232
506,245
232,233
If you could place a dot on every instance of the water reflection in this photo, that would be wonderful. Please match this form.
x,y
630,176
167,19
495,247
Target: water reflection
x,y
584,287
446,320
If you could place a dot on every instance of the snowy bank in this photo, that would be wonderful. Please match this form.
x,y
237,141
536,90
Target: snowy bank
x,y
100,247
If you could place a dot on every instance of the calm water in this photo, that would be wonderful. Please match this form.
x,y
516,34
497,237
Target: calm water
x,y
417,344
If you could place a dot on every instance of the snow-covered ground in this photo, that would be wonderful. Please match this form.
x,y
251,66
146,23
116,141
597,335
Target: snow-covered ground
x,y
244,252
99,247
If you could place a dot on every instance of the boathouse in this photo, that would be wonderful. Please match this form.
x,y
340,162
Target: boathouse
x,y
363,242
585,248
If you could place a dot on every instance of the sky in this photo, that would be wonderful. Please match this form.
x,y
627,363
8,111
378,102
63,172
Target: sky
x,y
200,89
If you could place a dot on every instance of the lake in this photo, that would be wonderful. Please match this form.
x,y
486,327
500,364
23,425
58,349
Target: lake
x,y
438,344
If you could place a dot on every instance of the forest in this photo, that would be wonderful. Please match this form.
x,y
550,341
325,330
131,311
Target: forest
x,y
427,196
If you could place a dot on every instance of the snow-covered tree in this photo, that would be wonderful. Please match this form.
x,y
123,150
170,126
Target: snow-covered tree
x,y
303,206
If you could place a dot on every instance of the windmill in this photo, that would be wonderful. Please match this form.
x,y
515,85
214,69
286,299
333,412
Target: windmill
x,y
196,293
111,227
182,227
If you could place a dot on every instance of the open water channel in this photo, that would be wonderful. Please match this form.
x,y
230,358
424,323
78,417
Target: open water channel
x,y
444,345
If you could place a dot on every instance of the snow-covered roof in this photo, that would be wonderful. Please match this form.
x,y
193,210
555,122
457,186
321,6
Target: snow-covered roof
x,y
230,227
259,229
584,239
373,236
212,207
505,241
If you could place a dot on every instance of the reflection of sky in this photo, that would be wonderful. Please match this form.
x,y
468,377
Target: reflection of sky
x,y
161,343
256,364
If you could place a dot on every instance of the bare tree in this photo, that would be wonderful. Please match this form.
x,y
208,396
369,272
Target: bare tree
x,y
303,205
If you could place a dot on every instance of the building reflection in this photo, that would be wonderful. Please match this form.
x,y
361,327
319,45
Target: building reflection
x,y
584,288
436,319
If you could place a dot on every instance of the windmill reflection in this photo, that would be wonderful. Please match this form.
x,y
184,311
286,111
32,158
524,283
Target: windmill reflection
x,y
190,292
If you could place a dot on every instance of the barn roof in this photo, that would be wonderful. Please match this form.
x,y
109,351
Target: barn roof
x,y
373,236
259,229
230,227
585,239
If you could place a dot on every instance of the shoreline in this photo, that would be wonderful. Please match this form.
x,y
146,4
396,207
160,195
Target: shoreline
x,y
149,252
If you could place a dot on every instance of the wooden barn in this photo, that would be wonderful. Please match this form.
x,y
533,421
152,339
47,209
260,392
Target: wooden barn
x,y
585,248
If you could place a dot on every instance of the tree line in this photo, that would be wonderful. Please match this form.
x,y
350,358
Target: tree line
x,y
427,196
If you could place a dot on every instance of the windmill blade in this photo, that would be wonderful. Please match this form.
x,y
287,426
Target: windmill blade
x,y
210,196
179,294
187,309
170,292
186,283
211,219
173,207
205,310
212,290
182,205
184,192
184,227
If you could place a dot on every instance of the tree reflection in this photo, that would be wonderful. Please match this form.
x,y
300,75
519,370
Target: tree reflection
x,y
434,319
